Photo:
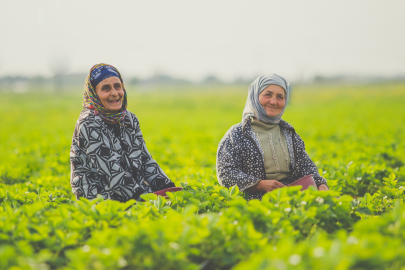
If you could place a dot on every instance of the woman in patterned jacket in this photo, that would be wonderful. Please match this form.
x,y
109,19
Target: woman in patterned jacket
x,y
108,155
264,152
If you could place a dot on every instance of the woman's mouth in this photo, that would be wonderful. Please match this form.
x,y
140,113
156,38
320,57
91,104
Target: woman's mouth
x,y
115,101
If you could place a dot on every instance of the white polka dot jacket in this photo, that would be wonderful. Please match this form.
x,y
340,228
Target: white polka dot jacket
x,y
240,159
113,162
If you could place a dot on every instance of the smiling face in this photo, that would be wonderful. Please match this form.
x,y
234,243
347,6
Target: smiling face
x,y
272,98
111,93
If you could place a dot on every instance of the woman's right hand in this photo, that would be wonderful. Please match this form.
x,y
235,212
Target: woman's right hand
x,y
266,186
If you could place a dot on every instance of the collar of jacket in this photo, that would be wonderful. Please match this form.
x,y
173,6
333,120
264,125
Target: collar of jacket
x,y
248,125
123,128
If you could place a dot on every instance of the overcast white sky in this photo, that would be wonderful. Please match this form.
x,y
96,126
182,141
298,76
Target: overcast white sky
x,y
191,39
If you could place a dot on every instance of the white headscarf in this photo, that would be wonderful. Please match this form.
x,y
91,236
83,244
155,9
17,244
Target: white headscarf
x,y
253,106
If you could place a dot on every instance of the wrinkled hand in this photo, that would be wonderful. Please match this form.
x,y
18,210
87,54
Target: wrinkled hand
x,y
323,187
266,186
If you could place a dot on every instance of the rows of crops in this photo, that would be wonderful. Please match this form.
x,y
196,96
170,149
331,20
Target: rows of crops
x,y
353,133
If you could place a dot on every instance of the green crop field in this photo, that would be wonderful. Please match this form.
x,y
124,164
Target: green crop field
x,y
355,135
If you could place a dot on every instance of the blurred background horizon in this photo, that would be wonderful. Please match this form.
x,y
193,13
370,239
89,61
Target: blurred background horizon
x,y
54,43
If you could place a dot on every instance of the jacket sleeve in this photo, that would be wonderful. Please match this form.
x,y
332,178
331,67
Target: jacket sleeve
x,y
307,166
150,170
229,164
79,167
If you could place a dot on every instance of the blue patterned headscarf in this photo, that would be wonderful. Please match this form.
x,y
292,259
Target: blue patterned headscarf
x,y
100,73
253,106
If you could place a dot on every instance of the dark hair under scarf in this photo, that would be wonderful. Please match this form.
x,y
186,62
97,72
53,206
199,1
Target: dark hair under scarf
x,y
91,100
253,106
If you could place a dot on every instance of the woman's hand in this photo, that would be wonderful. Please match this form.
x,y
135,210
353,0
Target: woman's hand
x,y
323,187
266,186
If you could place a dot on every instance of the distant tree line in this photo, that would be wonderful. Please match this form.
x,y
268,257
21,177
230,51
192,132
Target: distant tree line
x,y
69,81
354,79
60,82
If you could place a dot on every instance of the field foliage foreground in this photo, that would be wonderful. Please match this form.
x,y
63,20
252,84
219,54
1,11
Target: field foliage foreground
x,y
353,133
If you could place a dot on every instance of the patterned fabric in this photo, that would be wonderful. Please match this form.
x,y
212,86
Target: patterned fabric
x,y
240,158
253,108
100,73
92,101
118,168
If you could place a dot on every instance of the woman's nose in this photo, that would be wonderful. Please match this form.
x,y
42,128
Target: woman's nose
x,y
114,92
273,100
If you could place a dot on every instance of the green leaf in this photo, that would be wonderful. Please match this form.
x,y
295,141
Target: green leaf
x,y
161,201
224,193
171,196
234,191
9,195
194,201
364,210
165,208
149,197
204,204
60,234
367,198
346,198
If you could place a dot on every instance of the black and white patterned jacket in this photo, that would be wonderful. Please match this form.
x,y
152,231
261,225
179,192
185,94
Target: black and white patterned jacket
x,y
117,168
240,159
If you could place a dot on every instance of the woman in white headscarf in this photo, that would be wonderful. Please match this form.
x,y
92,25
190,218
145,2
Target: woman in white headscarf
x,y
263,152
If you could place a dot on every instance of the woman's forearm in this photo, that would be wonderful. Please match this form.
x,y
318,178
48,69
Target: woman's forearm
x,y
254,188
265,186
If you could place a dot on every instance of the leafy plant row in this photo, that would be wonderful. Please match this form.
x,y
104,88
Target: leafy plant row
x,y
170,234
373,244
